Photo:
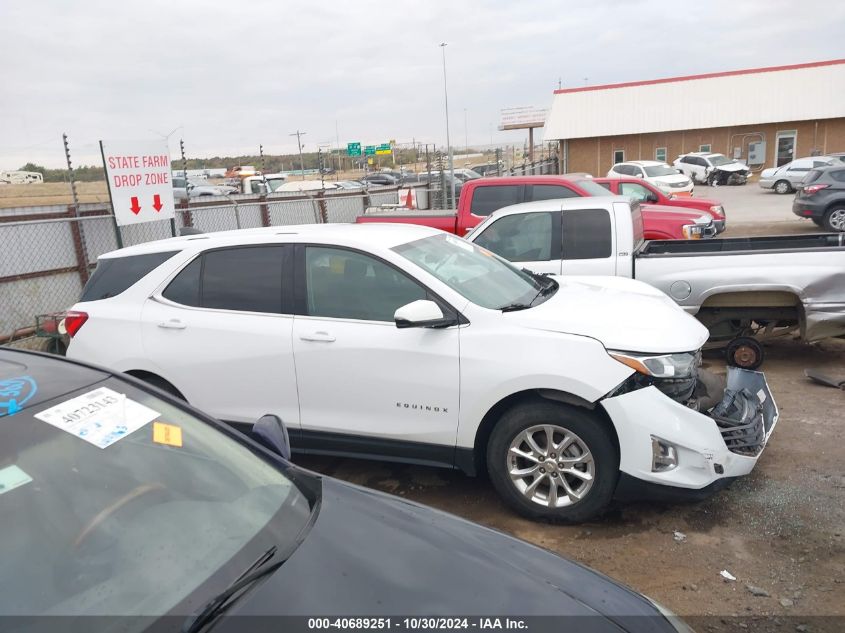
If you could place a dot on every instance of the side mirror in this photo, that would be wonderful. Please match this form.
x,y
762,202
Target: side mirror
x,y
421,313
651,197
272,433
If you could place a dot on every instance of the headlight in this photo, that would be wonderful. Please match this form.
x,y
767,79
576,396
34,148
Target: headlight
x,y
680,365
693,231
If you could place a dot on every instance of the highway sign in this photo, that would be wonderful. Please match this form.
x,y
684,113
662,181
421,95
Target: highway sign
x,y
353,149
139,180
369,150
384,148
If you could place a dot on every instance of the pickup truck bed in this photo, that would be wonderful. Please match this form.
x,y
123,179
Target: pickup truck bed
x,y
773,243
761,286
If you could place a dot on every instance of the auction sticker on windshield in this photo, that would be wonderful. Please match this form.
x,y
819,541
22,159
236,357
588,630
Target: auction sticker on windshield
x,y
12,477
101,417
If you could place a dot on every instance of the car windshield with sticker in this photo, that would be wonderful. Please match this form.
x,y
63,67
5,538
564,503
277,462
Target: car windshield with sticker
x,y
113,501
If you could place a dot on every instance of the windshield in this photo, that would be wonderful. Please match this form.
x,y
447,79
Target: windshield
x,y
592,188
718,159
136,527
477,274
660,170
275,183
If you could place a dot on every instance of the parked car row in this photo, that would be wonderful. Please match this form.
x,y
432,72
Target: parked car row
x,y
482,196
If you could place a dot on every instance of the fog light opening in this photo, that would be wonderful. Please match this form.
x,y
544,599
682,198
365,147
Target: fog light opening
x,y
664,456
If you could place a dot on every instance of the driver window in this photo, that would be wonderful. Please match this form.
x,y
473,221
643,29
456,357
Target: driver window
x,y
523,237
344,284
637,192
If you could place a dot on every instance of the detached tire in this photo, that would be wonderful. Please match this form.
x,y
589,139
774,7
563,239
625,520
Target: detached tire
x,y
553,461
744,352
782,187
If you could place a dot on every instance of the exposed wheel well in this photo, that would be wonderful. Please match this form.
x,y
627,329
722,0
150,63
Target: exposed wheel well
x,y
156,381
482,435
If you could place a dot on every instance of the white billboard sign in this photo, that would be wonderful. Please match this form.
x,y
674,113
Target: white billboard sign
x,y
139,178
522,117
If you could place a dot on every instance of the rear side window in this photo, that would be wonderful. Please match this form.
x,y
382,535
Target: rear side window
x,y
487,199
812,176
550,192
586,234
246,279
114,275
838,175
606,185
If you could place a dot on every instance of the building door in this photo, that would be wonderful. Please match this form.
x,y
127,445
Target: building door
x,y
785,148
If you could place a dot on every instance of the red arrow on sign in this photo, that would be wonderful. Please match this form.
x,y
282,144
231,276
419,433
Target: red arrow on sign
x,y
135,208
157,205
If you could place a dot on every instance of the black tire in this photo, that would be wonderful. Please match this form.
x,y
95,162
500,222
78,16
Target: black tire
x,y
588,429
744,352
783,187
834,219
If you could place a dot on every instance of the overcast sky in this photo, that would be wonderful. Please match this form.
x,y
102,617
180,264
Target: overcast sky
x,y
233,75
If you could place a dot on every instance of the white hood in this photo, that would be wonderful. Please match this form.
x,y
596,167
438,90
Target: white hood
x,y
732,167
672,179
623,314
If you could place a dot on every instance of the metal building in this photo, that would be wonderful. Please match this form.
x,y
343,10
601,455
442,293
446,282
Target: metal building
x,y
794,111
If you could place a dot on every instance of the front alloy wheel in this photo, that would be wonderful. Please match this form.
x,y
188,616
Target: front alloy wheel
x,y
782,187
553,461
551,466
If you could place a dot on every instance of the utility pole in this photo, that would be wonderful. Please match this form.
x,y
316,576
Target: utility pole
x,y
448,141
466,133
299,136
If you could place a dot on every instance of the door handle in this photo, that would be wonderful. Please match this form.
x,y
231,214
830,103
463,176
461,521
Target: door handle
x,y
321,337
172,324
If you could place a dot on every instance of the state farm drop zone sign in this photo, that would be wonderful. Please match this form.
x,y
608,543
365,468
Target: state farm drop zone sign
x,y
139,180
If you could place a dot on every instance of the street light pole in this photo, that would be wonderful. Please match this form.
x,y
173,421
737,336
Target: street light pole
x,y
466,133
299,136
448,140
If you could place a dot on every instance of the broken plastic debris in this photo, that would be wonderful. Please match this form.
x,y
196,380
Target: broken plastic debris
x,y
680,537
727,575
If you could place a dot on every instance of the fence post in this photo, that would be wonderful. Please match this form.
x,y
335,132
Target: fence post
x,y
78,245
187,216
265,210
323,206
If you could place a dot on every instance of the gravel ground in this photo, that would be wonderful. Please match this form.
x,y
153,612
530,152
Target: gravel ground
x,y
779,531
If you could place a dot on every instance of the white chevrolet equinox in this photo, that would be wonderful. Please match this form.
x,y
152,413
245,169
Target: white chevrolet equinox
x,y
404,343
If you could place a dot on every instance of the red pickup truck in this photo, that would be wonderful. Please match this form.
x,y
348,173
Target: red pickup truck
x,y
647,193
481,196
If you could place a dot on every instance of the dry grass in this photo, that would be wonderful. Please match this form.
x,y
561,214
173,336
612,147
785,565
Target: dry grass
x,y
51,193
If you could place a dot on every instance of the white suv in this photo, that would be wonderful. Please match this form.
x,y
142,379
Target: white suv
x,y
668,179
406,343
712,169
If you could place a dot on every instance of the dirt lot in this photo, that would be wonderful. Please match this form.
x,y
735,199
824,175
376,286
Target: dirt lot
x,y
780,531
51,193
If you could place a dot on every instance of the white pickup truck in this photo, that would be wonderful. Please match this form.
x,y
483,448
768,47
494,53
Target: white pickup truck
x,y
405,343
744,290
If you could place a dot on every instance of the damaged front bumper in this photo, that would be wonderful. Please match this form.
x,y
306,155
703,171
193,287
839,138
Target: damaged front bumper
x,y
668,443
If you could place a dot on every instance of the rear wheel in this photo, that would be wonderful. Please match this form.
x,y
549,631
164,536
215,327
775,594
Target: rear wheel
x,y
782,187
744,352
553,461
834,219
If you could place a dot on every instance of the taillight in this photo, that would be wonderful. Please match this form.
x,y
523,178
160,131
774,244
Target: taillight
x,y
811,189
73,321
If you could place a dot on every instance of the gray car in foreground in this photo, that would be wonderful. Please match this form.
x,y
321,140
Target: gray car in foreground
x,y
787,178
119,500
